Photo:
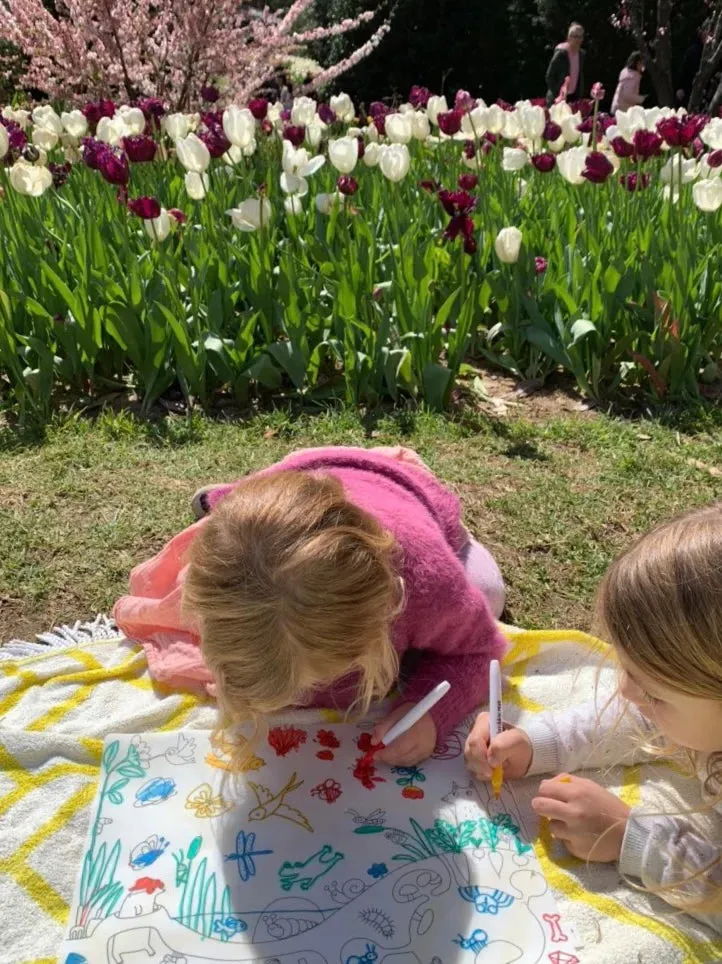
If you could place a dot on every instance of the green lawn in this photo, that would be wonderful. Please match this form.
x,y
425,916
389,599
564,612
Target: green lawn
x,y
554,500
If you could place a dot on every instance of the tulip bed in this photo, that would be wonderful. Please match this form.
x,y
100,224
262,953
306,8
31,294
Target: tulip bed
x,y
301,251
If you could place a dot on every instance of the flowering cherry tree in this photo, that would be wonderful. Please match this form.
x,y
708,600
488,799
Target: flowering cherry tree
x,y
163,48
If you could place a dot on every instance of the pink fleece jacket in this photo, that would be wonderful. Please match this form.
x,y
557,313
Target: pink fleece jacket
x,y
445,628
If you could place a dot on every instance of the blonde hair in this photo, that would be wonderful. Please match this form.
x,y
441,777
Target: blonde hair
x,y
292,587
660,603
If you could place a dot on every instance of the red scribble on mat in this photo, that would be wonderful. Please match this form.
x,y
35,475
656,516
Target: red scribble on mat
x,y
413,793
325,754
557,934
149,885
329,790
450,748
561,957
328,739
283,739
364,769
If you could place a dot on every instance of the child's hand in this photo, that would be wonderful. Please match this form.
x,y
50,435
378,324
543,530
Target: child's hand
x,y
412,747
589,819
512,750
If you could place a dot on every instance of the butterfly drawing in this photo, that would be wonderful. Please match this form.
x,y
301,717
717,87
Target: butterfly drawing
x,y
375,819
245,852
204,804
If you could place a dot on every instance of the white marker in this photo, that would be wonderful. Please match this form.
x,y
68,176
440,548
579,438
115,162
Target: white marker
x,y
415,713
495,721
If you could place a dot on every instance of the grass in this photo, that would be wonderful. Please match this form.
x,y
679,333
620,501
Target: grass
x,y
553,500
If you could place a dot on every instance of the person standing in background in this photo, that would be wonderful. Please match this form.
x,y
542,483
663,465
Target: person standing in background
x,y
567,66
627,93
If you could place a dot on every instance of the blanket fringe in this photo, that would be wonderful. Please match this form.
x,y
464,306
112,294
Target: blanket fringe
x,y
62,637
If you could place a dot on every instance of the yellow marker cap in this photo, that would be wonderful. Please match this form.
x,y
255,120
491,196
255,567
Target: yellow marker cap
x,y
565,779
497,778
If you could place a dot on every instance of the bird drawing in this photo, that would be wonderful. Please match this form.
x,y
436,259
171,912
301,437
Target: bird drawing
x,y
272,804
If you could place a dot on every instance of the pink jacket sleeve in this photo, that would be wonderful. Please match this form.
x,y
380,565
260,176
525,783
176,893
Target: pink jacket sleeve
x,y
456,644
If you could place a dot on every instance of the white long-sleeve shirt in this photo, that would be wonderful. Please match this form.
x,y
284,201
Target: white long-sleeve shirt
x,y
658,850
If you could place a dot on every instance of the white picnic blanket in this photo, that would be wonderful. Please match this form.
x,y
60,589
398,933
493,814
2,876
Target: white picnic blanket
x,y
58,704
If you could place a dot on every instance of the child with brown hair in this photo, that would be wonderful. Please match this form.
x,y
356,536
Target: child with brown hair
x,y
660,605
311,582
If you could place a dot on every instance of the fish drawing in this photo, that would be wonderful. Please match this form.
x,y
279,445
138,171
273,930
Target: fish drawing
x,y
229,927
147,852
155,791
272,804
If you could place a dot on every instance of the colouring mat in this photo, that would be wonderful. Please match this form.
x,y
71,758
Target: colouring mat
x,y
310,857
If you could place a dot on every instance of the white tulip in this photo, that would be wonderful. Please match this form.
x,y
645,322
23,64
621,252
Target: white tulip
x,y
21,117
303,111
436,106
711,134
343,154
708,195
293,204
495,118
112,130
371,133
630,121
512,128
508,244
314,132
196,185
569,126
372,155
398,128
325,203
75,123
571,163
30,180
706,171
233,156
558,145
521,188
250,149
514,159
297,166
274,114
158,228
557,112
343,108
533,121
475,122
193,153
394,161
239,125
44,138
133,118
46,117
251,215
177,126
678,167
420,125
654,114
407,109
4,142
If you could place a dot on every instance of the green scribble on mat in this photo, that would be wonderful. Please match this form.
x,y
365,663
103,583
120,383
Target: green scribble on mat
x,y
324,860
200,907
448,838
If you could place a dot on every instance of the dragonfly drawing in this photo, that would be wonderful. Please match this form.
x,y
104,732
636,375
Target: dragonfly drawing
x,y
245,852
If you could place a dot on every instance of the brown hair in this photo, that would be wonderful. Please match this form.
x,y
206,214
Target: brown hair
x,y
660,603
292,587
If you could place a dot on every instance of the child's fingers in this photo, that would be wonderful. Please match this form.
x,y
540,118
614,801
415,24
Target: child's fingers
x,y
478,739
502,747
552,809
557,789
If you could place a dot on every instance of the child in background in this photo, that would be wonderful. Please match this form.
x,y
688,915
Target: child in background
x,y
307,584
660,605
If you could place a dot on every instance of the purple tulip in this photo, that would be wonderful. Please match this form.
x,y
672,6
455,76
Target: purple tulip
x,y
114,167
457,202
93,151
153,109
464,101
681,131
622,148
327,114
286,115
177,215
210,94
647,144
16,135
259,108
467,182
431,187
552,131
361,146
540,264
94,110
450,121
714,158
216,141
61,173
419,96
633,183
139,148
544,162
597,168
145,207
295,134
347,185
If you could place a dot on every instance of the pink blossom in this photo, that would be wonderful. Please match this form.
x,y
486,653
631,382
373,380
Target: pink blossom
x,y
598,92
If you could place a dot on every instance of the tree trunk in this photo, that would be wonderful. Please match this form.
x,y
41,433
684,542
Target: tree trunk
x,y
658,51
711,61
716,104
